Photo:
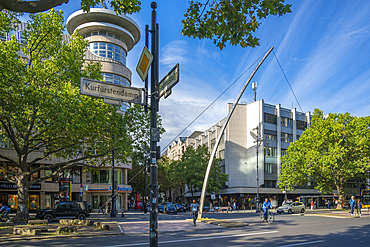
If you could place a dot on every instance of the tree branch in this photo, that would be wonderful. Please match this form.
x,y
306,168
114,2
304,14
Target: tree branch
x,y
30,6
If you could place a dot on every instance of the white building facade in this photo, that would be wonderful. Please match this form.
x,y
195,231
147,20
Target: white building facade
x,y
278,127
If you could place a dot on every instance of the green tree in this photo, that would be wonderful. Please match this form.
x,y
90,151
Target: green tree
x,y
223,21
193,167
176,175
333,150
44,117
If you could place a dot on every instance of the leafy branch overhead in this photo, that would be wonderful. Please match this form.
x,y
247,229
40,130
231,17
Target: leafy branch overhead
x,y
232,21
223,21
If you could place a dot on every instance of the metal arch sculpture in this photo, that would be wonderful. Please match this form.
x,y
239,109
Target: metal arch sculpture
x,y
204,189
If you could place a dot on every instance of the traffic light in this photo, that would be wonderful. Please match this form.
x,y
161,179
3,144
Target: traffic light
x,y
158,155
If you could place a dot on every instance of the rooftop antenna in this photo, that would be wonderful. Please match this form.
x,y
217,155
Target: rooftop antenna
x,y
254,87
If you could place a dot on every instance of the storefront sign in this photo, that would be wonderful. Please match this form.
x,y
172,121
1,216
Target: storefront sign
x,y
14,186
121,188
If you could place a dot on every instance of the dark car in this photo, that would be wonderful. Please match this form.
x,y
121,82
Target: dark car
x,y
180,208
161,209
71,209
170,209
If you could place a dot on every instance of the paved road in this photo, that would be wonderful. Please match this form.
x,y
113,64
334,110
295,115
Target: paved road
x,y
287,230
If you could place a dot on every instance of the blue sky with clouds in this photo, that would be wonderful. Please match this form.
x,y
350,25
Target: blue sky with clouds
x,y
323,48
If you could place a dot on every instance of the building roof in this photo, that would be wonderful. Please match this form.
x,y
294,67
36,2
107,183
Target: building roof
x,y
104,19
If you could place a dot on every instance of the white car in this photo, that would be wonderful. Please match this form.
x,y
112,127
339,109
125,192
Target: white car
x,y
295,207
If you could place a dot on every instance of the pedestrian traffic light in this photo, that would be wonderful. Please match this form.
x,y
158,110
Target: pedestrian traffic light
x,y
158,156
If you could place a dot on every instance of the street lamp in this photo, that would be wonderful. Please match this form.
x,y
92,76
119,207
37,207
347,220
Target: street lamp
x,y
258,140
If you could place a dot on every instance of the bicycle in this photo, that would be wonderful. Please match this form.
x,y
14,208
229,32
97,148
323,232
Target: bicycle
x,y
270,217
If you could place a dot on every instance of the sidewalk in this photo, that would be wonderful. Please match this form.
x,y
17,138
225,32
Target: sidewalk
x,y
6,233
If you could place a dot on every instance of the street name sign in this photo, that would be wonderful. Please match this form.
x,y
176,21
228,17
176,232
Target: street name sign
x,y
110,91
144,63
154,134
170,80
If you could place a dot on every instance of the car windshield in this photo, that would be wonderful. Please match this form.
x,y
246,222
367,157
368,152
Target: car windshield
x,y
170,206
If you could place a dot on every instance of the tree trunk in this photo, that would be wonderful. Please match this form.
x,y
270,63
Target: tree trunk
x,y
340,197
23,185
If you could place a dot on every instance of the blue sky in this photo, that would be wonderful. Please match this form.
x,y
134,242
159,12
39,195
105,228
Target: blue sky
x,y
323,47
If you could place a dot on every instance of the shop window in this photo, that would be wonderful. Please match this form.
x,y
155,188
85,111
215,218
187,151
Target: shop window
x,y
35,175
13,201
268,168
34,202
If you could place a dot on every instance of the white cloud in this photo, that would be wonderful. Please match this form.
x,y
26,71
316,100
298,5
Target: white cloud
x,y
174,52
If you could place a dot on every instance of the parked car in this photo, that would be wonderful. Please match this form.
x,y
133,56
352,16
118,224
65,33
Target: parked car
x,y
161,208
295,207
180,208
170,209
187,207
70,209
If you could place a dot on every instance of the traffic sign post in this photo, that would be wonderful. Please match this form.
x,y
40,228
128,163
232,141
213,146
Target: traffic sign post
x,y
110,91
144,63
169,81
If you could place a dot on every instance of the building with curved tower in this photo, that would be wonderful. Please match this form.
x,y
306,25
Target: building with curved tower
x,y
110,38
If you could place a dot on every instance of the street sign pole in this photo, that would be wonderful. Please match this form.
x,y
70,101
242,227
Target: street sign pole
x,y
154,101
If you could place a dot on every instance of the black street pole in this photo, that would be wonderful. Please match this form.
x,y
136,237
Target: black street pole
x,y
113,214
258,196
153,237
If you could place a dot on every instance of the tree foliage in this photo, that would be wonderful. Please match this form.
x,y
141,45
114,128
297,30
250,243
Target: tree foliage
x,y
333,150
119,6
193,166
223,21
230,21
43,116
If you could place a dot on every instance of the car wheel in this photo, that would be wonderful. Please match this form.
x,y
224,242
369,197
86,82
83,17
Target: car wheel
x,y
48,217
290,211
176,213
279,212
302,210
81,217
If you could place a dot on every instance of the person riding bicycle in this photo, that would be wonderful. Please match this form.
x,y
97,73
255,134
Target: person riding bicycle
x,y
266,205
4,211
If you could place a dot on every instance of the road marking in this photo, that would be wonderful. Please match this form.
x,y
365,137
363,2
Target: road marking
x,y
329,216
305,243
196,239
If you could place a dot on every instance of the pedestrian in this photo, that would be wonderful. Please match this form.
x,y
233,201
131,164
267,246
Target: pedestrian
x,y
312,205
358,207
283,203
100,207
211,209
228,206
108,208
352,204
329,204
234,206
194,208
5,211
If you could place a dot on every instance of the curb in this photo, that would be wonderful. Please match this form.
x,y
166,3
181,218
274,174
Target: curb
x,y
66,236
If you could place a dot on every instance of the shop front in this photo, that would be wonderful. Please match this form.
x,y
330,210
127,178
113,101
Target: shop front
x,y
9,196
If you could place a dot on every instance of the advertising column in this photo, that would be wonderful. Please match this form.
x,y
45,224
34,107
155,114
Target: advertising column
x,y
137,201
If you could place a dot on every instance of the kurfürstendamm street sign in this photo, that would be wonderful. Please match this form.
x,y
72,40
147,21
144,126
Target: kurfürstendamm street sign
x,y
170,80
111,91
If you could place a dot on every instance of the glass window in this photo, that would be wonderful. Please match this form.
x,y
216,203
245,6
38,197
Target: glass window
x,y
102,33
110,54
268,168
110,47
104,176
62,205
286,122
270,152
301,125
102,45
94,33
102,53
286,137
111,34
269,118
269,137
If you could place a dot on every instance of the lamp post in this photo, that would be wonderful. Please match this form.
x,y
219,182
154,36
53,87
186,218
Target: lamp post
x,y
258,140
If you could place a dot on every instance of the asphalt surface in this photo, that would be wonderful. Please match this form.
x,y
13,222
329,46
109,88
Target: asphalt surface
x,y
312,229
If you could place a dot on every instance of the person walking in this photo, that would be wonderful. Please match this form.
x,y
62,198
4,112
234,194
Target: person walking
x,y
234,206
108,208
194,208
352,204
5,211
100,207
312,205
358,207
329,204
